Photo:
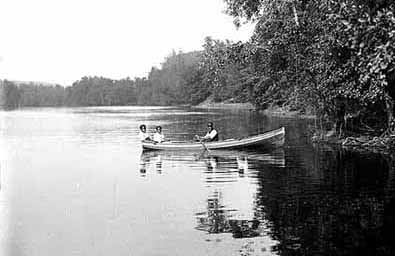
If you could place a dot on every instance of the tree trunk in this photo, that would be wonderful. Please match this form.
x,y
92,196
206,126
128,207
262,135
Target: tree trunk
x,y
295,14
389,107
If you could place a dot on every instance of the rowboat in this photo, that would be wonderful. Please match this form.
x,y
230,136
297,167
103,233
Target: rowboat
x,y
274,138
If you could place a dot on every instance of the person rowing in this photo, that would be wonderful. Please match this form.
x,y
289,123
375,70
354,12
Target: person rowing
x,y
211,135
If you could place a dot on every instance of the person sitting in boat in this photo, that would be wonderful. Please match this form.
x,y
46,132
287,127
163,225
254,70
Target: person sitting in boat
x,y
143,135
211,135
158,135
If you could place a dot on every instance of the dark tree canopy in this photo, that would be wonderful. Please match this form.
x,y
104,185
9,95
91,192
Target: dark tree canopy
x,y
335,58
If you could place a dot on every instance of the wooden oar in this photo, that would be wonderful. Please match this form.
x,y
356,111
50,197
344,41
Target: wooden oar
x,y
204,145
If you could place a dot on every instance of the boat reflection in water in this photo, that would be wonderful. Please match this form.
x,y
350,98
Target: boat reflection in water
x,y
230,178
233,159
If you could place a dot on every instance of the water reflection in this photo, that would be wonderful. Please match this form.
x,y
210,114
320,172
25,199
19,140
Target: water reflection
x,y
215,161
147,159
231,185
340,210
219,219
242,165
325,201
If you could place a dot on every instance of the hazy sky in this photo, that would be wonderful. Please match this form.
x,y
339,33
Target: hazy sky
x,y
62,40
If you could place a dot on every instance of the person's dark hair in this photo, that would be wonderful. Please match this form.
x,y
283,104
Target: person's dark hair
x,y
210,124
159,127
142,126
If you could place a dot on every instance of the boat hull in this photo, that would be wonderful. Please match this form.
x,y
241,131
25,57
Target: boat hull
x,y
272,138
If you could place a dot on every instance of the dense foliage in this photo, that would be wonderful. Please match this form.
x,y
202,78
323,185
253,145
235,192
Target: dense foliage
x,y
331,58
334,58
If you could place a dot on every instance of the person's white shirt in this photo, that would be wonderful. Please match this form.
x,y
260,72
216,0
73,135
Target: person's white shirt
x,y
143,135
159,137
210,135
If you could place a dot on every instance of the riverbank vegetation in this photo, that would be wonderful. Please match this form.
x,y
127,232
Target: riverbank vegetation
x,y
333,59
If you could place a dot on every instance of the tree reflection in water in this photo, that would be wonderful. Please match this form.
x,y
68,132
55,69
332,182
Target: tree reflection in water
x,y
221,218
224,167
218,219
316,201
339,203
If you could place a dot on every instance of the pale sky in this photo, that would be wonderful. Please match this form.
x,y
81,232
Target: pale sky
x,y
62,40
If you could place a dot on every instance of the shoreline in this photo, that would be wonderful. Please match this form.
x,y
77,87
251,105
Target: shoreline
x,y
281,112
276,112
222,105
360,143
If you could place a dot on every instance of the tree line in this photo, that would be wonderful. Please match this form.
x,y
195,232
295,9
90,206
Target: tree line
x,y
176,82
334,59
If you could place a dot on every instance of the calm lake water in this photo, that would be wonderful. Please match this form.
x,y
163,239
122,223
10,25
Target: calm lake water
x,y
74,181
